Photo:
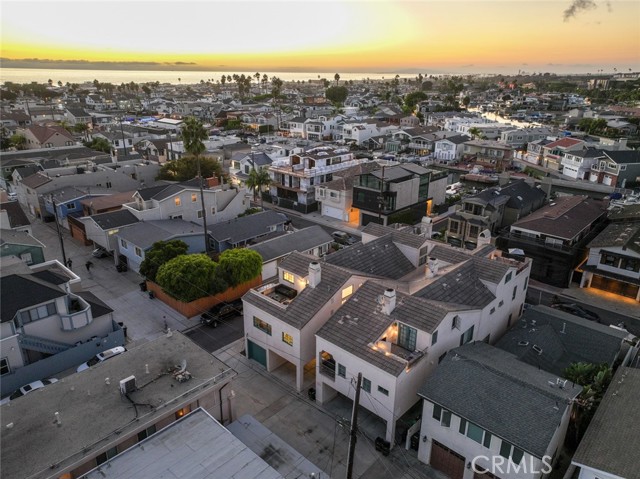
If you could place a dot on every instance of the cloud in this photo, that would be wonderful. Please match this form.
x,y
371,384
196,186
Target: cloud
x,y
578,6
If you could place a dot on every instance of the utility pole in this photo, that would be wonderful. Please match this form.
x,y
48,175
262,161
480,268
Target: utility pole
x,y
55,213
204,211
381,198
124,144
354,429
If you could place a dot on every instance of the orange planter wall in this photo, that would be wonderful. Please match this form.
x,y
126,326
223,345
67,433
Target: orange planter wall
x,y
197,307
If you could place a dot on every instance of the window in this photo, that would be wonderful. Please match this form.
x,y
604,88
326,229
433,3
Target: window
x,y
287,276
105,456
182,412
4,366
608,259
509,451
493,310
500,304
194,197
123,243
342,371
366,385
383,390
287,338
434,338
199,213
475,432
177,201
515,291
407,337
441,357
346,292
138,252
454,227
467,336
262,326
142,435
38,313
508,277
526,282
456,322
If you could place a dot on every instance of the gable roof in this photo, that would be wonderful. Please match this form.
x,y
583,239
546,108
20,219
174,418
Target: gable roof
x,y
380,257
43,133
400,236
145,233
518,403
456,139
114,219
301,240
16,214
624,157
563,338
563,143
18,237
246,227
36,180
309,301
612,442
564,218
621,235
361,321
20,291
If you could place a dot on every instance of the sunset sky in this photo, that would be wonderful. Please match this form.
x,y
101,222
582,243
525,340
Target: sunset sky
x,y
341,35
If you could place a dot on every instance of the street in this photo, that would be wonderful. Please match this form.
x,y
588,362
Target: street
x,y
212,338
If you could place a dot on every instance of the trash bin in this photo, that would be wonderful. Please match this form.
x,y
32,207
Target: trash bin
x,y
143,286
151,295
124,328
312,394
383,446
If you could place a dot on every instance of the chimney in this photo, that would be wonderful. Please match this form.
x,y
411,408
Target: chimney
x,y
211,182
432,267
426,226
388,301
314,274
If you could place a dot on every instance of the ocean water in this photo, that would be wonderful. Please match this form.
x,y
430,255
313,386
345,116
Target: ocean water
x,y
28,75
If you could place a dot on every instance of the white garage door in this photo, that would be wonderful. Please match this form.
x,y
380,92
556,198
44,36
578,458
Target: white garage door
x,y
332,212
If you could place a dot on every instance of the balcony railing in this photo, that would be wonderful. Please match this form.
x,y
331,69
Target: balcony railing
x,y
328,369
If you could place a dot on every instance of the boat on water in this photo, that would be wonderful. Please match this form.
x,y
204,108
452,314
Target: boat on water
x,y
478,178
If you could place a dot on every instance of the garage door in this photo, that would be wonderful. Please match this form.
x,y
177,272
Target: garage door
x,y
257,353
485,475
447,461
332,212
614,286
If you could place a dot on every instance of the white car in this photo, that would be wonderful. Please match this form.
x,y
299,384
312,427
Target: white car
x,y
27,388
103,356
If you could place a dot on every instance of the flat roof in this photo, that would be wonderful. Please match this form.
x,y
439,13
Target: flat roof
x,y
194,446
93,413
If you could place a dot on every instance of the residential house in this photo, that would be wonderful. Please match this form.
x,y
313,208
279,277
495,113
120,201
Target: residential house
x,y
555,237
63,203
518,431
49,324
620,169
13,120
535,150
21,245
183,201
552,340
613,264
359,132
136,239
553,153
293,179
398,194
148,374
101,229
395,339
577,164
488,153
242,164
13,218
239,232
410,121
450,149
520,137
95,102
313,241
77,116
491,210
335,197
46,137
281,317
609,448
294,127
29,192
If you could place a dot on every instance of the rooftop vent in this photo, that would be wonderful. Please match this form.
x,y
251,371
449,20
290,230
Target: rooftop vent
x,y
523,343
537,349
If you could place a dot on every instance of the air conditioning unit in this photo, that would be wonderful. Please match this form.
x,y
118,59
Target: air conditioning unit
x,y
128,385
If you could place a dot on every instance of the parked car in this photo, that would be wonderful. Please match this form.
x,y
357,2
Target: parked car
x,y
100,252
103,356
12,196
221,312
343,238
576,310
27,388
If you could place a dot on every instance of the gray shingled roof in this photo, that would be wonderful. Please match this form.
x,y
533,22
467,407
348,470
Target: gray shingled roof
x,y
517,402
307,303
144,233
301,240
380,257
621,235
581,341
449,254
612,442
114,219
401,237
16,214
20,291
246,227
360,321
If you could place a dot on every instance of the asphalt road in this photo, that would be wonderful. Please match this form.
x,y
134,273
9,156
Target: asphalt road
x,y
211,339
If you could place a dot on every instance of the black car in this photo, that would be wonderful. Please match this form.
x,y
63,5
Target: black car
x,y
576,310
221,312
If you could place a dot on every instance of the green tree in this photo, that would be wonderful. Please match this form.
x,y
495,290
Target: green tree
x,y
475,132
257,181
186,168
240,265
187,277
465,101
99,144
276,87
412,99
336,94
18,141
160,253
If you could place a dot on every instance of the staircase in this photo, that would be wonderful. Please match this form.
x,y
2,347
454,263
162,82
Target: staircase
x,y
42,345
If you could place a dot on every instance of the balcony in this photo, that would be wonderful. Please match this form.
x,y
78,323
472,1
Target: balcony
x,y
327,365
280,294
78,314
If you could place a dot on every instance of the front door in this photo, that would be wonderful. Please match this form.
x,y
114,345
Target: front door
x,y
257,353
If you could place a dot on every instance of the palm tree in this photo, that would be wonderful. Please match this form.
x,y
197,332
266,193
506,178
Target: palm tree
x,y
337,78
193,134
475,132
257,181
